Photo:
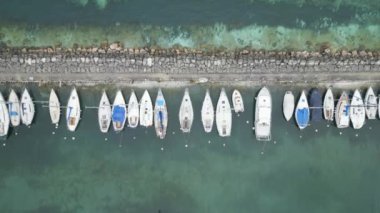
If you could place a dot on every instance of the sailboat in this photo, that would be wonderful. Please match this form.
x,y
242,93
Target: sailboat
x,y
73,111
302,112
370,104
288,105
4,117
133,111
342,114
237,101
328,105
357,111
27,108
315,100
160,115
186,113
207,113
54,107
104,113
263,115
14,108
146,110
223,115
119,112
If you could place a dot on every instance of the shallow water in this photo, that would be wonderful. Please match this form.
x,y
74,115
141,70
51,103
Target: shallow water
x,y
44,169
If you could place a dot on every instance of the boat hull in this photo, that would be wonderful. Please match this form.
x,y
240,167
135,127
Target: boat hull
x,y
14,109
328,105
27,108
119,112
146,110
160,115
357,111
237,101
186,113
73,111
288,105
104,113
207,113
263,115
54,107
133,111
370,104
342,114
4,117
302,112
223,115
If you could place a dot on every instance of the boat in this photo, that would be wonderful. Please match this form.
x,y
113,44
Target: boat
x,y
237,101
146,110
288,105
263,115
4,117
223,115
302,112
14,108
315,101
160,115
54,107
133,111
119,112
207,113
186,113
104,113
73,111
27,108
357,110
328,105
342,115
370,104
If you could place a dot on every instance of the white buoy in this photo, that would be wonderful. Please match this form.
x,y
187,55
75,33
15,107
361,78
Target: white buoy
x,y
186,145
328,125
106,139
370,127
53,133
316,130
162,148
4,144
300,136
340,133
134,137
16,133
120,145
209,141
64,138
73,138
224,145
262,153
247,122
274,142
173,133
357,135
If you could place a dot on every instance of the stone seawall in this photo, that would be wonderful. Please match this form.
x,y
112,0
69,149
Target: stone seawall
x,y
115,63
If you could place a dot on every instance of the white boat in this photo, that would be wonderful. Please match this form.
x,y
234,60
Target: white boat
x,y
263,115
160,115
27,108
223,115
357,110
329,105
342,114
186,113
14,108
4,117
104,113
370,104
207,113
288,105
302,112
54,107
146,110
133,111
73,111
237,101
119,112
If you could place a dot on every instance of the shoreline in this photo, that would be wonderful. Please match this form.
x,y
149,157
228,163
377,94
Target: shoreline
x,y
114,64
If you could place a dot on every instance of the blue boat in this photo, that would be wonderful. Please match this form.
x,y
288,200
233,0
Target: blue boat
x,y
315,100
302,112
119,112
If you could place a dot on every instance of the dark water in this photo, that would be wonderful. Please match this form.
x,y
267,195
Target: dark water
x,y
169,13
320,169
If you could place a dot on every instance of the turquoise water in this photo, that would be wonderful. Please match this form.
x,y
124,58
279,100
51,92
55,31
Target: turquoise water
x,y
208,24
315,170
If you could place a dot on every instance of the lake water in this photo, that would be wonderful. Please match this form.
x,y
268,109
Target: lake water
x,y
319,169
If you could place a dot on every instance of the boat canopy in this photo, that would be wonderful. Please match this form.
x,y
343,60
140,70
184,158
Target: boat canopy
x,y
118,114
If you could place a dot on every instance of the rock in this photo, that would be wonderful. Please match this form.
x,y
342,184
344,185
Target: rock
x,y
114,46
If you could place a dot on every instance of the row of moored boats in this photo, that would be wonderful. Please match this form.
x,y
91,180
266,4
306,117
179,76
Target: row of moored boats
x,y
14,111
313,108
